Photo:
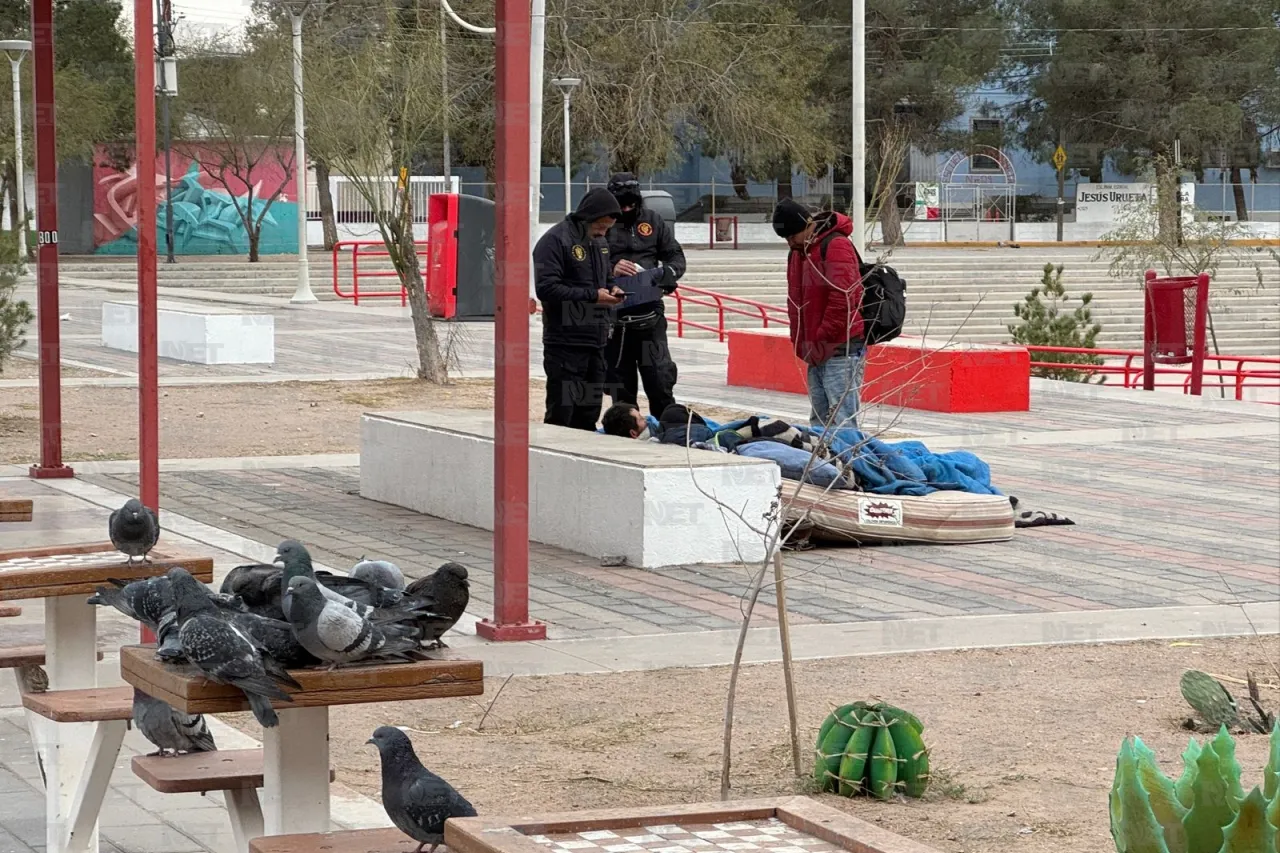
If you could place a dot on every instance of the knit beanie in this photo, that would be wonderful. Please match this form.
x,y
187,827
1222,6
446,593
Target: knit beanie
x,y
597,204
789,218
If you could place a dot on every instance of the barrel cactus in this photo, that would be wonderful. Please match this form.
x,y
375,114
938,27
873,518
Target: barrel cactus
x,y
1204,811
875,749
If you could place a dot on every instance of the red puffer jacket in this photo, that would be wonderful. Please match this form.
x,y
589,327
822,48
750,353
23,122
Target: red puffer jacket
x,y
824,299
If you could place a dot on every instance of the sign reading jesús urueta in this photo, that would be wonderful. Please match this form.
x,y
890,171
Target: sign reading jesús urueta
x,y
1106,202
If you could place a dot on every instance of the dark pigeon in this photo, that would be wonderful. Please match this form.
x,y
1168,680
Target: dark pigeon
x,y
145,600
276,638
446,591
338,634
134,529
417,800
258,586
379,572
168,728
364,598
169,643
224,652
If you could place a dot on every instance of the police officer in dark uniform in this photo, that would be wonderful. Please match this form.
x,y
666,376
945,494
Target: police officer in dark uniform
x,y
573,280
639,242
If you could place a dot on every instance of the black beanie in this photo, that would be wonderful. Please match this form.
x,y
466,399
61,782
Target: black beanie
x,y
789,218
597,204
626,189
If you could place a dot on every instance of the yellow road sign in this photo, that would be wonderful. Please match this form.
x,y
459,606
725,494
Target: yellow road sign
x,y
1060,158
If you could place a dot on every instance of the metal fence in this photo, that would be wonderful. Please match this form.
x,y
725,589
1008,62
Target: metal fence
x,y
351,204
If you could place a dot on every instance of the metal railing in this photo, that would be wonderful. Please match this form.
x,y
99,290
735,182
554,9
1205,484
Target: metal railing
x,y
1233,377
370,249
1236,378
723,303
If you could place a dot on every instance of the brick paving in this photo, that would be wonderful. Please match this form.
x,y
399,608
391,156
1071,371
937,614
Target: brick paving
x,y
1153,529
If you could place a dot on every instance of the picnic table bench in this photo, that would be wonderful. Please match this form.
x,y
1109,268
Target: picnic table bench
x,y
295,770
76,727
15,509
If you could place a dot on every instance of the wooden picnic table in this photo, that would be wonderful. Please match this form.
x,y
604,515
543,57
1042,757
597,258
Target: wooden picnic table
x,y
296,752
77,749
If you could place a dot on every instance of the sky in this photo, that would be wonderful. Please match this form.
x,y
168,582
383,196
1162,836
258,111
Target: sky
x,y
202,14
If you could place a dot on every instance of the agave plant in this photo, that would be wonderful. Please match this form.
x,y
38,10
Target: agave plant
x,y
1204,811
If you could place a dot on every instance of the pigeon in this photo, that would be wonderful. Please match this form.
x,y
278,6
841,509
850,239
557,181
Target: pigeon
x,y
258,586
168,728
379,572
166,628
276,638
447,592
417,800
224,652
145,600
134,529
364,598
338,634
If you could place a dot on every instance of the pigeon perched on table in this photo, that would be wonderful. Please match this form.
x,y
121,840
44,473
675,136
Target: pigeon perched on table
x,y
417,800
361,596
338,634
224,652
379,572
168,728
169,645
134,529
145,600
258,586
447,592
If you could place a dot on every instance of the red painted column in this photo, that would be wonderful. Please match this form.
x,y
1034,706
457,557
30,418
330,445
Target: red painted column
x,y
511,334
47,251
144,82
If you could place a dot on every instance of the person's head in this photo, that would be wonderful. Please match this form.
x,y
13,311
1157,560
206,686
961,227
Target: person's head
x,y
793,223
626,189
598,210
624,420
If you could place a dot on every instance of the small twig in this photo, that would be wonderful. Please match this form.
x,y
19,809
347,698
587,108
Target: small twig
x,y
1233,680
480,726
788,676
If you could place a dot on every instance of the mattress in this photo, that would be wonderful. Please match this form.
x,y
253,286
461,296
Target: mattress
x,y
943,518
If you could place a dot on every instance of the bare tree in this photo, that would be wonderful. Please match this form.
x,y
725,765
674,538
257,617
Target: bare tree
x,y
236,103
370,116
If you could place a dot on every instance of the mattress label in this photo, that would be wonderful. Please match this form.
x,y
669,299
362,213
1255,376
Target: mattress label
x,y
879,512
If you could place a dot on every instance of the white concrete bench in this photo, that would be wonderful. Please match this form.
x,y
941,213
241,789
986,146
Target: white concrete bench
x,y
656,505
203,334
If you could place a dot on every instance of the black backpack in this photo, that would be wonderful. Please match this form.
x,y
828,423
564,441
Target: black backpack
x,y
884,299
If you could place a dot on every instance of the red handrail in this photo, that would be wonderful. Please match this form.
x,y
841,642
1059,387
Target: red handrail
x,y
723,303
1132,374
357,252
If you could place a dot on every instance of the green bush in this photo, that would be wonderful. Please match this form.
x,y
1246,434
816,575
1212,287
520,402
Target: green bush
x,y
15,314
1045,321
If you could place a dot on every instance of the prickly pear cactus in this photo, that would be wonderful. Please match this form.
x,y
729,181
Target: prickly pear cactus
x,y
1211,700
1205,811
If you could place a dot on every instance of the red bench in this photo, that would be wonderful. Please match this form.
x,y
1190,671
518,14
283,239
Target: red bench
x,y
913,373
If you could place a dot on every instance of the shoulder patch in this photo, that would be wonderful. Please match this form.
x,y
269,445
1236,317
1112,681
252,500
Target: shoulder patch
x,y
644,229
579,253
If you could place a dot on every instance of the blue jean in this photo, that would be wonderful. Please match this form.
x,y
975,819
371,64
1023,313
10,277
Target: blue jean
x,y
834,387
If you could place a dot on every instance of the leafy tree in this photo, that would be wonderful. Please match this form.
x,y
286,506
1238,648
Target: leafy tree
x,y
15,314
1132,77
240,105
1045,320
373,121
923,58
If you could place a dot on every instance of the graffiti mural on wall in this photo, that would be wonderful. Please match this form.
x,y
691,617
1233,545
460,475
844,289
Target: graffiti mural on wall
x,y
205,216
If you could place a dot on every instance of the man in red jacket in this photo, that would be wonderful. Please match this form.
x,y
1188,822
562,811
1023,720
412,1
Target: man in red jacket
x,y
824,303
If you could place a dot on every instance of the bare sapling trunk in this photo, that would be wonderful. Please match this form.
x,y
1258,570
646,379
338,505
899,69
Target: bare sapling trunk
x,y
327,223
432,365
1237,191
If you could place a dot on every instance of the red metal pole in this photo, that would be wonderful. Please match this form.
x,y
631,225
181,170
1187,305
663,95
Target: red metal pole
x,y
1199,346
144,83
47,251
511,340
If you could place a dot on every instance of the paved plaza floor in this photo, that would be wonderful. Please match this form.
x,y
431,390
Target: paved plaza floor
x,y
1176,502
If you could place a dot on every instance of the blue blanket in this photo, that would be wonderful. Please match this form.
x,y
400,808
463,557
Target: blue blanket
x,y
882,468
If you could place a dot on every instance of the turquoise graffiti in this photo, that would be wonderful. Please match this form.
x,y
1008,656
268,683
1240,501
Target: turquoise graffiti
x,y
210,222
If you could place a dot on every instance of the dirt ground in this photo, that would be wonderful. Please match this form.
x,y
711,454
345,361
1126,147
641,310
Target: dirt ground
x,y
231,420
1023,741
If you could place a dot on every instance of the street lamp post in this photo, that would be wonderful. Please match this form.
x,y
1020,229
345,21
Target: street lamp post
x,y
167,88
566,85
298,8
16,51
